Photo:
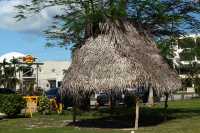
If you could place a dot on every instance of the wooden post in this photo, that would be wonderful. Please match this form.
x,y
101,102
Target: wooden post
x,y
151,97
111,99
166,105
137,111
110,102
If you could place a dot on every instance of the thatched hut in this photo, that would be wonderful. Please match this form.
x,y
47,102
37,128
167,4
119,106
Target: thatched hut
x,y
120,57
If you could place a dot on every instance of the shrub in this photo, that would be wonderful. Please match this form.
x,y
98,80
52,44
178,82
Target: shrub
x,y
11,104
43,105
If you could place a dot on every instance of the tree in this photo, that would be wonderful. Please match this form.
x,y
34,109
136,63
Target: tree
x,y
82,18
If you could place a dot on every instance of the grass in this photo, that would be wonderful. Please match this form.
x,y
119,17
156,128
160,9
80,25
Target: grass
x,y
183,117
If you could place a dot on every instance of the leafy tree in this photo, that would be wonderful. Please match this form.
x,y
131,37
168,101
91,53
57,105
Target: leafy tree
x,y
166,51
82,18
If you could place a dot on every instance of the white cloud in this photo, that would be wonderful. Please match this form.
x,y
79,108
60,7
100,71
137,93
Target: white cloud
x,y
34,24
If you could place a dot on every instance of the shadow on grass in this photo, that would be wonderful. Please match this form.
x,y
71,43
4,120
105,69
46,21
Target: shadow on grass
x,y
124,118
13,117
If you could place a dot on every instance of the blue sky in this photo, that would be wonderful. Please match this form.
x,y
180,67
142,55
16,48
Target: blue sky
x,y
27,37
30,44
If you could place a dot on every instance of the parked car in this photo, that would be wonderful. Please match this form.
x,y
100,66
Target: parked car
x,y
7,91
52,93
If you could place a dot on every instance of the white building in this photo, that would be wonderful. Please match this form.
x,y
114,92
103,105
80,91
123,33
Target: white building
x,y
183,64
51,74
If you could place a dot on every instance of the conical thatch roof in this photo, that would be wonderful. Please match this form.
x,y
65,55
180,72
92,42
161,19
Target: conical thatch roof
x,y
116,60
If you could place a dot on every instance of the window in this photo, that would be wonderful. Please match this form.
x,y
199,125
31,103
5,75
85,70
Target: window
x,y
53,70
59,83
52,83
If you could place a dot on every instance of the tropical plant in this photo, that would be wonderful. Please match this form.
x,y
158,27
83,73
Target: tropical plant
x,y
43,105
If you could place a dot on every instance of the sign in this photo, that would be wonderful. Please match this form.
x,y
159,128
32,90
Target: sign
x,y
31,105
29,59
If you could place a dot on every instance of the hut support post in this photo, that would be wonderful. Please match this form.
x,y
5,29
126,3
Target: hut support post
x,y
137,111
110,103
151,97
111,100
74,114
166,105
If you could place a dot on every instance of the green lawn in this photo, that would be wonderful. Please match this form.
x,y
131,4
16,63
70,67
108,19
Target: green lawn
x,y
183,117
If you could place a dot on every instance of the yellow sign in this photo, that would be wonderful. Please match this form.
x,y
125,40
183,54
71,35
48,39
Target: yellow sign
x,y
31,105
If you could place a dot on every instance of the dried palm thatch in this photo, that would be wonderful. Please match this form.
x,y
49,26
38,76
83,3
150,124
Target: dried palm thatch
x,y
119,58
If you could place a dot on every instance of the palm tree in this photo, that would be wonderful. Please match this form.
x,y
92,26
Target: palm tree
x,y
8,75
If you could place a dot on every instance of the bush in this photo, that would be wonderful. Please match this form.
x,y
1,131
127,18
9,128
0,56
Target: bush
x,y
11,104
44,105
